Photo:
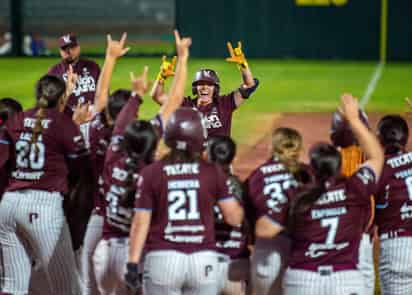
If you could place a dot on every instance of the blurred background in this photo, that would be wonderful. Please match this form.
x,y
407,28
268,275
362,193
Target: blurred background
x,y
316,29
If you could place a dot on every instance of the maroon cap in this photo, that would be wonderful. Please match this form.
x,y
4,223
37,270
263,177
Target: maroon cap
x,y
68,40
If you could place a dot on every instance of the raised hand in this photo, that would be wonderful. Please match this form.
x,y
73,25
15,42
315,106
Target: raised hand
x,y
409,102
182,45
166,68
71,81
236,55
140,84
349,107
82,113
116,49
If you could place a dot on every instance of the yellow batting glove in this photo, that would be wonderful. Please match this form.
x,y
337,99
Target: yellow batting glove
x,y
166,69
237,56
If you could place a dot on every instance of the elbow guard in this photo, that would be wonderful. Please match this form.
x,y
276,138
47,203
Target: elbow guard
x,y
247,92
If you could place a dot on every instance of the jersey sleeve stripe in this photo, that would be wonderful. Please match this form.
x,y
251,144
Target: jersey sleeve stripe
x,y
228,198
2,141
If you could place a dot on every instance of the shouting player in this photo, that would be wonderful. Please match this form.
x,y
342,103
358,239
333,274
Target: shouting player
x,y
394,208
87,72
217,109
325,238
42,145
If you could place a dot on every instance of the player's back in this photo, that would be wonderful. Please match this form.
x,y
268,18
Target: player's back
x,y
181,197
42,165
329,232
394,195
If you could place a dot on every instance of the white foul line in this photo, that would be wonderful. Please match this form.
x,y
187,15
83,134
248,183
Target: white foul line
x,y
372,84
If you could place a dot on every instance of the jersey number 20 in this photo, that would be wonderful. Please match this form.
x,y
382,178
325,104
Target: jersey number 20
x,y
30,155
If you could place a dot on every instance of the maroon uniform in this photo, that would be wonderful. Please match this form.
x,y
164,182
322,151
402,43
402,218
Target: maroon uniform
x,y
266,190
218,114
43,165
394,196
181,197
327,234
88,73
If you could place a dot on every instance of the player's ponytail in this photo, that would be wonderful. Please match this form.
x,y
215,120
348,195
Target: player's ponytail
x,y
325,161
221,149
139,144
286,146
49,92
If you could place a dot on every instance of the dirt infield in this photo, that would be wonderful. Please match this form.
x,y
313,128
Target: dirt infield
x,y
314,127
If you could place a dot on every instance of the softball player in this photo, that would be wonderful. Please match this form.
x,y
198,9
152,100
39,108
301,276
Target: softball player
x,y
131,149
352,157
43,145
266,186
174,214
231,242
394,209
325,240
217,109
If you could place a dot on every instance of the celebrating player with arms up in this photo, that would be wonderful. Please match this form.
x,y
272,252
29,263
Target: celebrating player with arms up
x,y
217,109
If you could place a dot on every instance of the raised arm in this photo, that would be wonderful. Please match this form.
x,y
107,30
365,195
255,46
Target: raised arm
x,y
114,50
249,84
166,70
177,90
367,140
129,111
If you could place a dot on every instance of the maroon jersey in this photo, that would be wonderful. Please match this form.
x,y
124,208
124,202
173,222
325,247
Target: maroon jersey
x,y
266,190
100,134
181,198
394,196
217,114
44,165
231,240
328,234
88,73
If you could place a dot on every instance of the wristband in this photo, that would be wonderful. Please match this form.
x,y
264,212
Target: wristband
x,y
247,92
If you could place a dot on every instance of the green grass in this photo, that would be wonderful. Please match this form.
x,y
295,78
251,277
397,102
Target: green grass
x,y
286,85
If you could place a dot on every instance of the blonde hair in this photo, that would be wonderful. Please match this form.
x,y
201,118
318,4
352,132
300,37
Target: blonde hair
x,y
287,146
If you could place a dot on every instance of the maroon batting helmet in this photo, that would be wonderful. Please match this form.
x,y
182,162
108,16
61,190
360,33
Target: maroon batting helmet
x,y
185,130
208,76
341,134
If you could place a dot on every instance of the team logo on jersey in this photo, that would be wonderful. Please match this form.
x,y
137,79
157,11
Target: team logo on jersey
x,y
365,176
33,216
208,270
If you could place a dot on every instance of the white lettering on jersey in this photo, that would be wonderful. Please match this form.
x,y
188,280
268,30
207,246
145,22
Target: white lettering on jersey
x,y
400,160
31,122
403,174
119,174
331,197
183,184
316,250
272,168
406,211
328,212
180,169
85,82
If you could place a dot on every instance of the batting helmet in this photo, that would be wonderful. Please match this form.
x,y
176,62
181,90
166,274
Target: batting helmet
x,y
208,76
185,130
393,132
341,134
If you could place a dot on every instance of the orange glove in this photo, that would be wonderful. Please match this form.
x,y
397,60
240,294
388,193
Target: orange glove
x,y
166,69
237,56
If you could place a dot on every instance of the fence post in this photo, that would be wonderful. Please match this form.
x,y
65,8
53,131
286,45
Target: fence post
x,y
16,24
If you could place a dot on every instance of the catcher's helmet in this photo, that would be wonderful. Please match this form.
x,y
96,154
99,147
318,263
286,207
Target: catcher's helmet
x,y
341,134
185,130
393,131
209,76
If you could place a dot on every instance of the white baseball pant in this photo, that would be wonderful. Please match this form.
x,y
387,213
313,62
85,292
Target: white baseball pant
x,y
31,224
171,272
91,239
110,259
268,263
395,266
366,265
304,282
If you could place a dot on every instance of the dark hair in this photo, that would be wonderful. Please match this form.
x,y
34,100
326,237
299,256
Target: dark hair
x,y
221,149
116,102
393,133
325,161
49,90
139,144
8,107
